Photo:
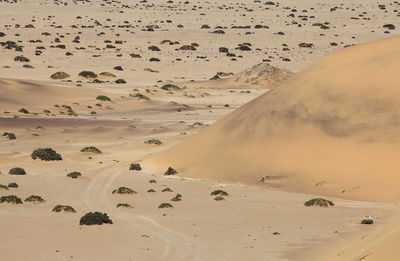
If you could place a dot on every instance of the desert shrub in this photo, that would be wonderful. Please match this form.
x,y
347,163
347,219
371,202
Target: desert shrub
x,y
74,174
170,171
10,135
23,110
46,154
135,166
12,199
103,98
59,75
17,171
34,198
88,74
21,59
218,198
151,191
169,87
123,190
64,209
3,187
319,202
95,218
139,96
152,181
178,197
165,205
120,81
219,192
153,141
124,205
91,149
13,185
367,221
107,74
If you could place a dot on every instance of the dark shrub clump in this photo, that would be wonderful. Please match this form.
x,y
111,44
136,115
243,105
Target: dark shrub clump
x,y
91,149
103,98
319,202
34,198
3,187
13,185
367,221
219,193
95,218
63,208
11,199
170,171
165,205
10,135
17,171
74,174
124,205
46,154
59,75
88,74
123,190
135,166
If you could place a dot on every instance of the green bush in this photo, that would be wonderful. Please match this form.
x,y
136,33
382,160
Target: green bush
x,y
64,209
46,154
91,149
319,202
170,171
34,198
95,218
59,76
103,98
74,174
88,74
219,193
17,171
135,166
123,190
165,205
10,199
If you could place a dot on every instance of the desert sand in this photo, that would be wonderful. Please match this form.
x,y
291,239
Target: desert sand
x,y
268,101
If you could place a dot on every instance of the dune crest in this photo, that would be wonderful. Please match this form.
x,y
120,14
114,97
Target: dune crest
x,y
332,129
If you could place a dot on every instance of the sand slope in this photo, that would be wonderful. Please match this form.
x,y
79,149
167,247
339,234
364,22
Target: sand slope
x,y
332,129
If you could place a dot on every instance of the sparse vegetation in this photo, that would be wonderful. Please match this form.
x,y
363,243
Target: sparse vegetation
x,y
124,205
367,221
135,166
169,87
12,199
13,185
88,74
139,96
91,149
10,135
34,199
219,198
3,187
165,205
103,98
167,190
63,209
46,154
24,111
170,171
178,197
120,81
153,141
219,193
95,218
59,76
107,74
17,171
74,174
123,191
319,202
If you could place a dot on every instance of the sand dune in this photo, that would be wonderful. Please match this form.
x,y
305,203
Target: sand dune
x,y
332,129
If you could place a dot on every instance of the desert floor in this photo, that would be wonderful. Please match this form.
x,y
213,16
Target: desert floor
x,y
253,222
